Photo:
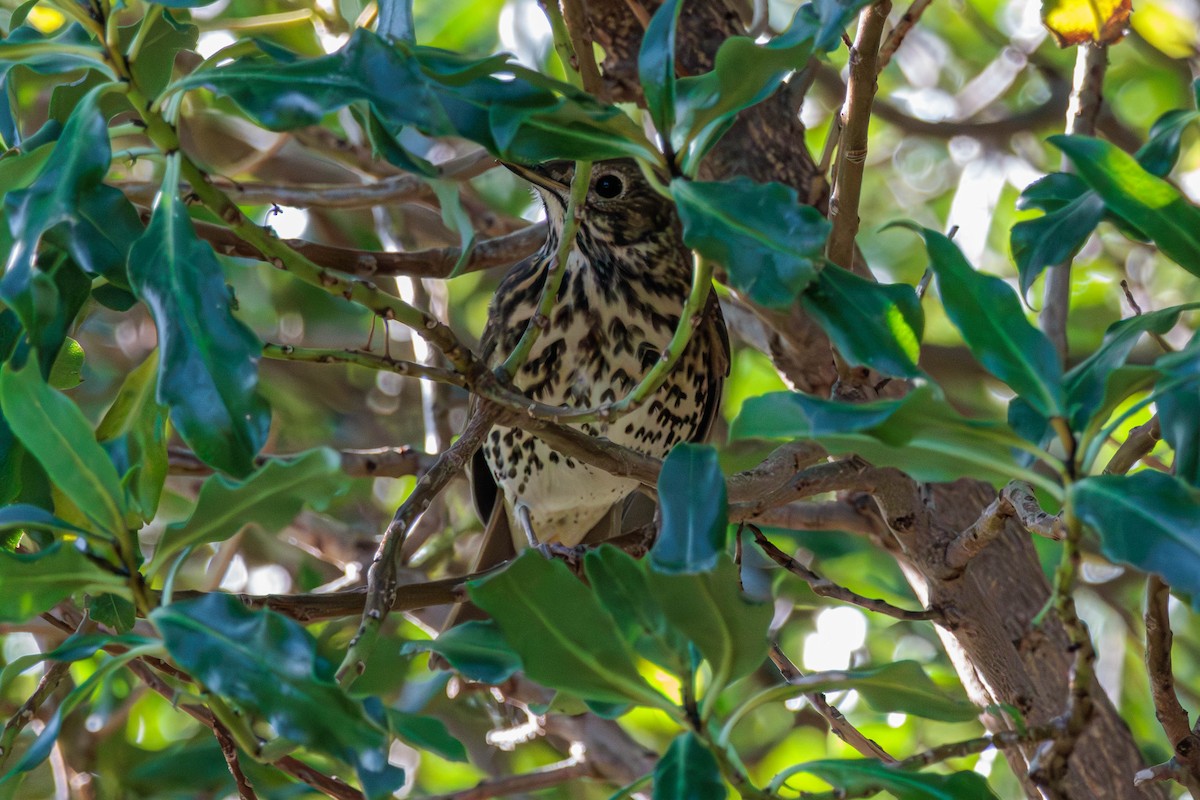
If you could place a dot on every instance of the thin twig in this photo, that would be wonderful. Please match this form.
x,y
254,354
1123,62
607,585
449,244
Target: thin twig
x,y
824,587
1015,500
837,723
896,37
229,752
1137,445
544,778
437,262
1008,738
379,462
382,583
1091,62
1171,714
579,26
364,358
852,155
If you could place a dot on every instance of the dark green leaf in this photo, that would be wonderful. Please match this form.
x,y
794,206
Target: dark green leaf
x,y
656,65
426,733
856,776
395,23
269,666
1085,381
688,771
875,324
209,362
728,630
21,516
1148,519
270,498
901,686
1137,196
31,583
1055,237
135,424
988,313
565,639
692,501
76,648
476,649
155,62
767,241
1159,154
527,118
921,434
1179,409
56,433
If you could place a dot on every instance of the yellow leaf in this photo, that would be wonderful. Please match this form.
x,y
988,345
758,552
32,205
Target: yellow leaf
x,y
1081,21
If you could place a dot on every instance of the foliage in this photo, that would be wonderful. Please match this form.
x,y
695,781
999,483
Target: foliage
x,y
171,468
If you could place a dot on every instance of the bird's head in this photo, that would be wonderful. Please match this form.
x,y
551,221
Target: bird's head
x,y
621,207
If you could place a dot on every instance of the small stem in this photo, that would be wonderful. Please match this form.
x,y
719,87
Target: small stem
x,y
563,45
572,220
362,358
153,12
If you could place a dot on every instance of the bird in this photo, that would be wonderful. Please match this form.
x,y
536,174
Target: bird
x,y
627,277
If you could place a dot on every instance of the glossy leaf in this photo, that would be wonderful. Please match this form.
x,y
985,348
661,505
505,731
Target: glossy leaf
x,y
1161,150
622,585
694,509
112,610
20,516
76,647
476,649
1178,405
920,434
709,608
688,771
67,370
426,733
901,686
656,65
269,665
1086,381
164,40
528,118
565,639
988,313
209,359
879,325
1148,519
270,498
760,233
31,583
135,425
395,22
854,776
1144,200
1054,237
56,433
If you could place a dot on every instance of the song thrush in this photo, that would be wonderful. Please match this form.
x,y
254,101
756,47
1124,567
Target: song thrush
x,y
626,280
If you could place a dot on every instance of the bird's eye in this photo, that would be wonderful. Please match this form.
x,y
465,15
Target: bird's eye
x,y
609,187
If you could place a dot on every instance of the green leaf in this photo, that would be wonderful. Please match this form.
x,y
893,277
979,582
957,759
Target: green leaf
x,y
136,425
988,313
656,65
623,588
565,639
165,39
112,610
476,648
1148,519
688,771
270,498
21,516
875,324
854,776
901,686
745,73
31,583
395,22
56,433
1149,203
76,647
694,508
1179,409
209,359
1160,152
67,371
920,434
767,241
269,665
1086,381
709,608
426,733
520,117
1054,237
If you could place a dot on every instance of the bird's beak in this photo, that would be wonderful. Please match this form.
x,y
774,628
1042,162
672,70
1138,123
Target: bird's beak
x,y
554,176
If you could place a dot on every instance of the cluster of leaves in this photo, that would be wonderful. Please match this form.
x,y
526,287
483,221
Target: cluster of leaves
x,y
77,495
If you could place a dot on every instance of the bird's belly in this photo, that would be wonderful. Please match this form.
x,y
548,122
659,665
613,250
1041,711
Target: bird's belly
x,y
565,498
